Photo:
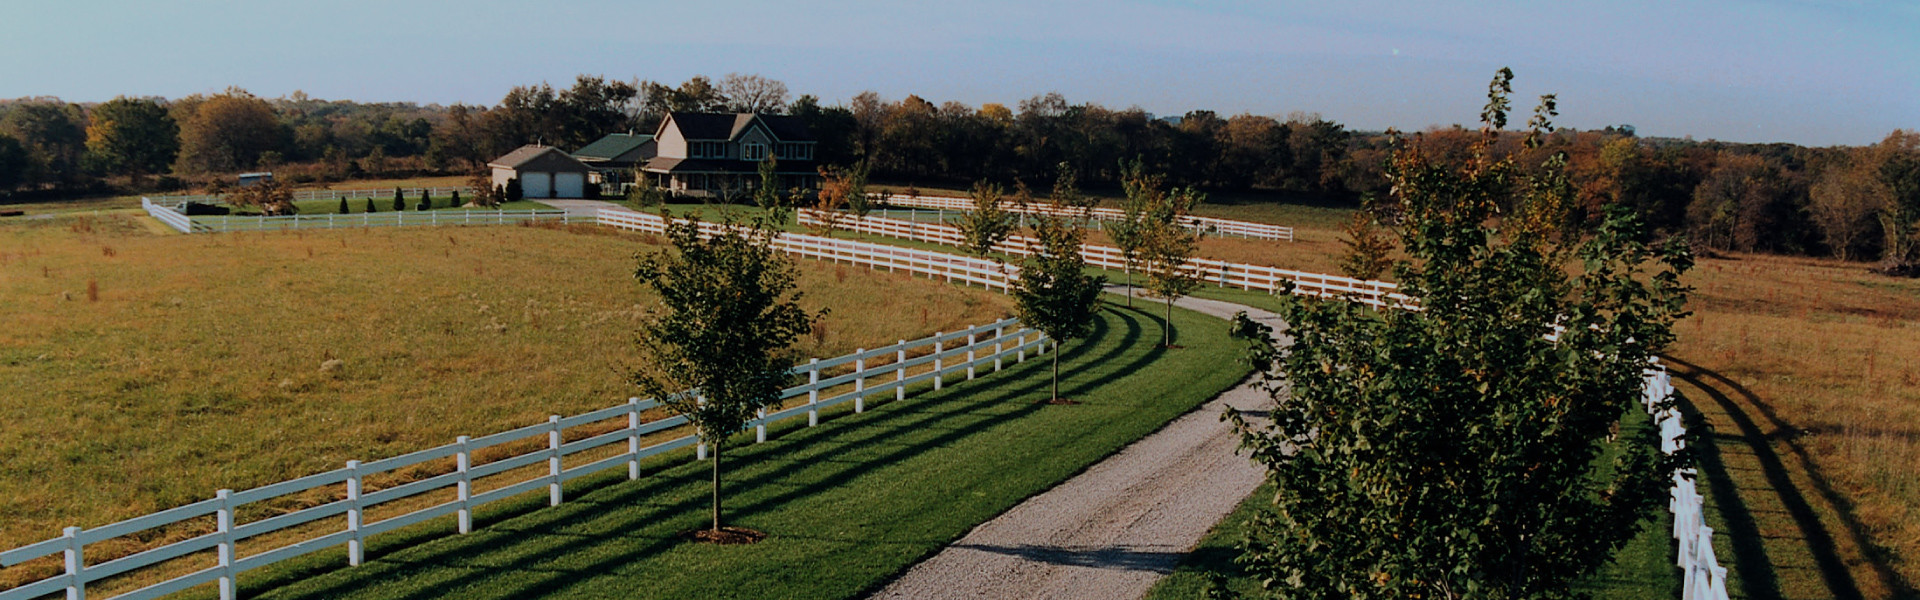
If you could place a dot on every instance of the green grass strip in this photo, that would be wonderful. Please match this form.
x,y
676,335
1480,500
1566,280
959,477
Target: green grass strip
x,y
848,504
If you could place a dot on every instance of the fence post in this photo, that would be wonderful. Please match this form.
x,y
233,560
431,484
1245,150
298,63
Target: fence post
x,y
700,449
224,521
1021,343
354,550
553,460
633,439
75,558
971,339
859,380
813,392
939,362
760,429
997,335
900,371
464,463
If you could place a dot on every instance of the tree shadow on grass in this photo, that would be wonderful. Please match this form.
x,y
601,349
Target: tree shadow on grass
x,y
1757,576
513,552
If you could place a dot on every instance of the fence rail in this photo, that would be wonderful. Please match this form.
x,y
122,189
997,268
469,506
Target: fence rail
x,y
1222,273
940,265
303,195
172,218
222,223
1702,577
867,373
1218,226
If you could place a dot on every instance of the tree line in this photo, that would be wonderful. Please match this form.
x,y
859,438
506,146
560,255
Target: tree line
x,y
1857,203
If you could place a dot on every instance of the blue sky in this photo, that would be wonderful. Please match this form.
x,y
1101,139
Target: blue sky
x,y
1805,71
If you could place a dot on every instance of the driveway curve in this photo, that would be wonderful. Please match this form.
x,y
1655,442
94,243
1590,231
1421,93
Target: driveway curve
x,y
1116,529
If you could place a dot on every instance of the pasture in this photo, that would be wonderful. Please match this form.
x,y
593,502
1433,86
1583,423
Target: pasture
x,y
146,370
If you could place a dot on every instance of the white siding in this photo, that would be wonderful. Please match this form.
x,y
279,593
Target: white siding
x,y
501,175
671,143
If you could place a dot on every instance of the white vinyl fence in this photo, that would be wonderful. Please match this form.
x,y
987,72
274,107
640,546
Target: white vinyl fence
x,y
937,265
167,215
603,440
1702,576
1221,273
1212,225
409,218
412,193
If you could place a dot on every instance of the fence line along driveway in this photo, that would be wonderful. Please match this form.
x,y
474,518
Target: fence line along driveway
x,y
1115,530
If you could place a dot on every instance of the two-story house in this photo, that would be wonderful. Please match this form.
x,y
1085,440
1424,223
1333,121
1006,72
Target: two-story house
x,y
719,155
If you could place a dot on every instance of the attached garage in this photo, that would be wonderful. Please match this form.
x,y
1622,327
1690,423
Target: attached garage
x,y
543,171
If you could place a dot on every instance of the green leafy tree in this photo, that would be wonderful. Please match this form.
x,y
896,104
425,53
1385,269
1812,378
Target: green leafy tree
x,y
14,163
767,194
228,132
133,137
1054,293
988,223
1129,234
1456,451
1166,246
731,313
53,136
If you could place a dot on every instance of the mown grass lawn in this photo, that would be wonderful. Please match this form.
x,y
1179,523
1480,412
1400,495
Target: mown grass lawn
x,y
847,504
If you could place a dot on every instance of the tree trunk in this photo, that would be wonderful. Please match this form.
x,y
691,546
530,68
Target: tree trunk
x,y
716,487
1167,333
1129,268
1056,370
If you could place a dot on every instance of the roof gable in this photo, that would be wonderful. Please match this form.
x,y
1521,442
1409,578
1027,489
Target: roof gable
x,y
729,126
540,158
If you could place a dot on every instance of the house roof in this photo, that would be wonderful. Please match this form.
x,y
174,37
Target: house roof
x,y
612,146
727,126
540,159
661,164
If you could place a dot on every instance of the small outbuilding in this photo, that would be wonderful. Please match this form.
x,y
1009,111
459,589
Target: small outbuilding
x,y
543,171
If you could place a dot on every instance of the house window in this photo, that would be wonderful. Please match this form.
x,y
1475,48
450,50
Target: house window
x,y
753,152
706,150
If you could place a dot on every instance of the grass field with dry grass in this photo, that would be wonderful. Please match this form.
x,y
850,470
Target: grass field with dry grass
x,y
144,370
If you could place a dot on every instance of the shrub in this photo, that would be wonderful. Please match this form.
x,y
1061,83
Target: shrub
x,y
370,207
399,200
513,192
343,206
454,202
426,201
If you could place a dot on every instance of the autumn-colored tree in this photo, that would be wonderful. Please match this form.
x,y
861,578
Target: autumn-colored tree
x,y
228,132
271,197
134,137
1845,203
1369,249
1899,173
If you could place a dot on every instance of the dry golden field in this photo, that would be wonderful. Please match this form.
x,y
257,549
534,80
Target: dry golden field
x,y
143,370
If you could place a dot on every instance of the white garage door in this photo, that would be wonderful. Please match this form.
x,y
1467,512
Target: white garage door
x,y
536,185
569,185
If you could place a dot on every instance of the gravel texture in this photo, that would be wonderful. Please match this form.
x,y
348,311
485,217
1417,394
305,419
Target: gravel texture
x,y
1113,531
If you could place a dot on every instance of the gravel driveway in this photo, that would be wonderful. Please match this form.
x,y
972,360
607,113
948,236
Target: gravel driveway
x,y
1113,531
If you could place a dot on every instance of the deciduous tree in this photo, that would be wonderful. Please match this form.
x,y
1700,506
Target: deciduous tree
x,y
227,133
1456,451
1167,245
988,223
753,94
1054,292
134,137
719,350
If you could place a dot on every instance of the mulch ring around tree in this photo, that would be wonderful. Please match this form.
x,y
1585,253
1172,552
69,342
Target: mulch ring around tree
x,y
726,536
